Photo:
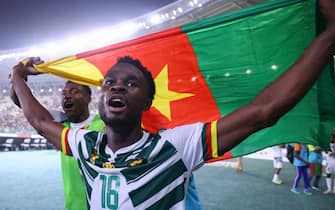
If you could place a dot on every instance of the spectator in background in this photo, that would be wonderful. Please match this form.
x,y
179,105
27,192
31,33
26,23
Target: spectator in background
x,y
239,164
330,166
277,163
315,166
301,166
75,103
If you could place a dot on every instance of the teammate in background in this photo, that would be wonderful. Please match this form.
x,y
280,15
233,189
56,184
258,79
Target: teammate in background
x,y
277,163
301,166
330,166
127,167
315,166
75,104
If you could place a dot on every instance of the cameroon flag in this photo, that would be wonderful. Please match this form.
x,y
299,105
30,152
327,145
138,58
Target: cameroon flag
x,y
209,68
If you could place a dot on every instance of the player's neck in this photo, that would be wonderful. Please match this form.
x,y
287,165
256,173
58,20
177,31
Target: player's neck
x,y
80,118
123,136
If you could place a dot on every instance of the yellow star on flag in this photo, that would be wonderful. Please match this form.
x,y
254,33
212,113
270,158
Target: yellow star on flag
x,y
163,95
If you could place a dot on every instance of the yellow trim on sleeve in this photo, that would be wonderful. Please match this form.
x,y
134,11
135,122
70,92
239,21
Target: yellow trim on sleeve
x,y
63,140
214,139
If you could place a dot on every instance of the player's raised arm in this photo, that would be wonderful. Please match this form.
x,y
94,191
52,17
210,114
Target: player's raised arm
x,y
35,113
285,92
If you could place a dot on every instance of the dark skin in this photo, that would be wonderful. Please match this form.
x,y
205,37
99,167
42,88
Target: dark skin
x,y
126,83
263,111
75,102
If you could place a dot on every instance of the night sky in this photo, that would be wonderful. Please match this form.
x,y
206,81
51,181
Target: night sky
x,y
28,22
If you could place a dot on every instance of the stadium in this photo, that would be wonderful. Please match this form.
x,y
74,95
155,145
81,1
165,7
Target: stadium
x,y
46,87
21,145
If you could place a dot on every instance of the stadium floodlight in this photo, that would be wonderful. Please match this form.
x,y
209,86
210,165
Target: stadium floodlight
x,y
106,36
274,67
34,51
126,29
74,43
101,37
155,19
93,38
141,25
50,47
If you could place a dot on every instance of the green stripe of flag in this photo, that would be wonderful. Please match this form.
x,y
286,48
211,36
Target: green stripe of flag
x,y
239,53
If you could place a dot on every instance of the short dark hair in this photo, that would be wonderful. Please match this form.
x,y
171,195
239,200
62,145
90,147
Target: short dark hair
x,y
86,88
147,74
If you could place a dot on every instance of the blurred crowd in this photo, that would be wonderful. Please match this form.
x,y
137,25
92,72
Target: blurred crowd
x,y
12,119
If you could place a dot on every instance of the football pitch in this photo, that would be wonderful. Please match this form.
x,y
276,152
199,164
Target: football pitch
x,y
31,180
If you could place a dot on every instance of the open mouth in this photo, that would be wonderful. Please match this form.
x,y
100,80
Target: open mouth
x,y
116,103
67,105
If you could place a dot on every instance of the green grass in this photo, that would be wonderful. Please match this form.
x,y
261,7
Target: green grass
x,y
31,180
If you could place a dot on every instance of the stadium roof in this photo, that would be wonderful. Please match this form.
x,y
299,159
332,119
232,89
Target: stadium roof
x,y
167,16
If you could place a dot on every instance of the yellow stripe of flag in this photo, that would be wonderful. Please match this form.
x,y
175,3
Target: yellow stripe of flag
x,y
77,70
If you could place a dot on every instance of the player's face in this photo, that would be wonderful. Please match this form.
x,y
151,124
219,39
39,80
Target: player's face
x,y
75,102
124,95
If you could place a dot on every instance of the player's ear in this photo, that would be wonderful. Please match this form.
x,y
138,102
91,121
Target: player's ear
x,y
147,104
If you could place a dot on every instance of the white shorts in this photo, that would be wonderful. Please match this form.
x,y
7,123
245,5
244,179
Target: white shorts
x,y
277,157
330,166
278,162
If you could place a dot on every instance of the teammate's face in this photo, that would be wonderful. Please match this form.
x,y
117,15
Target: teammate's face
x,y
75,102
124,95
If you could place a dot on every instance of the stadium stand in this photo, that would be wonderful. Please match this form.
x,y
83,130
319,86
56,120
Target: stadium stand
x,y
9,145
25,145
